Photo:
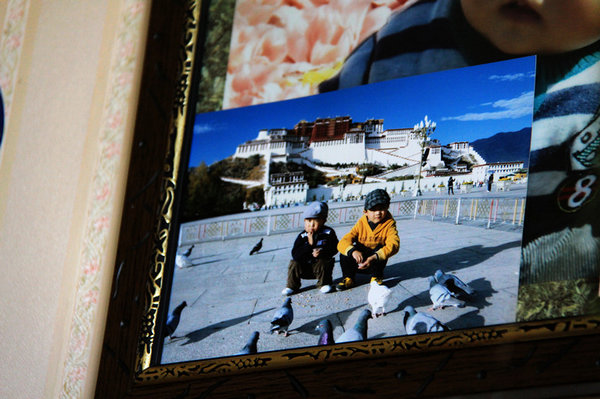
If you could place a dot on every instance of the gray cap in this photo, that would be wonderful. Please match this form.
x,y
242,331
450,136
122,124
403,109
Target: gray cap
x,y
377,197
316,210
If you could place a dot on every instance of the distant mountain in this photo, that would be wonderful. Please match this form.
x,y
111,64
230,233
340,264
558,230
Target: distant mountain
x,y
505,146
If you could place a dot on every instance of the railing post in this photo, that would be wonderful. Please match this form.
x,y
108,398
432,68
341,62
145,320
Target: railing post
x,y
416,208
457,211
490,214
496,210
268,224
522,211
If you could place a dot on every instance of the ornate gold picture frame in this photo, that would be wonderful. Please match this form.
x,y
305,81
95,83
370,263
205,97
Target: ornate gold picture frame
x,y
517,355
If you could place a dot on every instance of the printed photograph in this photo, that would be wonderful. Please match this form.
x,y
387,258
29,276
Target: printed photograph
x,y
382,210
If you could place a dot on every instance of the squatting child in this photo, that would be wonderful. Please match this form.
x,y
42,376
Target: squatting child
x,y
313,252
370,243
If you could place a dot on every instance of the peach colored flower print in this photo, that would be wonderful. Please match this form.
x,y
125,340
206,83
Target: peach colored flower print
x,y
282,49
91,268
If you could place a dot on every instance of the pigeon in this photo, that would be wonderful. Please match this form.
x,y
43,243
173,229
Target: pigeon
x,y
454,284
441,296
378,297
257,247
283,318
326,332
183,259
359,331
419,323
250,347
173,319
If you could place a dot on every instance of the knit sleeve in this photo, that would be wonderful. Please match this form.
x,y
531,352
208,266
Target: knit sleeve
x,y
346,243
392,242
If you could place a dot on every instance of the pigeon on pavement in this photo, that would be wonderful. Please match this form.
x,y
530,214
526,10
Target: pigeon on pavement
x,y
419,323
326,332
454,284
250,347
441,296
359,331
257,247
378,296
173,319
183,259
282,318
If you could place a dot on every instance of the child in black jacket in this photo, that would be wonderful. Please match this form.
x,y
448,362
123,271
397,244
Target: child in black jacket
x,y
313,252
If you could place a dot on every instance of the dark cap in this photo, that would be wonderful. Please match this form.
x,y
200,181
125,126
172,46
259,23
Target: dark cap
x,y
377,197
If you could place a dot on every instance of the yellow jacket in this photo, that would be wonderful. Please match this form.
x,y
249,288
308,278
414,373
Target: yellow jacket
x,y
385,234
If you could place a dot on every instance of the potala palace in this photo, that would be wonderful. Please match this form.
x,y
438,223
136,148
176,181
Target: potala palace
x,y
327,143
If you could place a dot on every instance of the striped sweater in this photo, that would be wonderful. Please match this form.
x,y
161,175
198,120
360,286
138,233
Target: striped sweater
x,y
562,218
429,36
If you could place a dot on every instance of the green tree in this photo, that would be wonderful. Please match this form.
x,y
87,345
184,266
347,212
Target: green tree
x,y
208,196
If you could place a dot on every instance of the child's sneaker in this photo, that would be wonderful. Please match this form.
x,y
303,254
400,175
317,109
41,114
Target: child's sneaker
x,y
345,283
287,291
326,289
378,279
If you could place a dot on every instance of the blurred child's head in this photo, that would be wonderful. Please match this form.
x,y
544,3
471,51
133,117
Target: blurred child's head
x,y
376,205
524,27
315,216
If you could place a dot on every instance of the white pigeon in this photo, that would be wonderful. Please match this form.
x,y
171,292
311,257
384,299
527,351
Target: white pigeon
x,y
420,323
378,297
183,259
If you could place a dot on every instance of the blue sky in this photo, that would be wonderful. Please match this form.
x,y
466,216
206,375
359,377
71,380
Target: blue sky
x,y
466,104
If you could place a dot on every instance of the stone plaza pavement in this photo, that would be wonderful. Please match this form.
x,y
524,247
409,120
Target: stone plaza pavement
x,y
230,294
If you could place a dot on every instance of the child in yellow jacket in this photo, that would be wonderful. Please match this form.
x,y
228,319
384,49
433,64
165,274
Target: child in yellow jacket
x,y
370,243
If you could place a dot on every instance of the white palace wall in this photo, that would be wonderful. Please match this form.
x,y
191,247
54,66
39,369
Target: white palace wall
x,y
332,152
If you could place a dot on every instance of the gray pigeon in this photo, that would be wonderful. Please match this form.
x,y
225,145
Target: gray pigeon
x,y
359,331
250,347
326,332
419,323
441,296
454,284
283,318
173,319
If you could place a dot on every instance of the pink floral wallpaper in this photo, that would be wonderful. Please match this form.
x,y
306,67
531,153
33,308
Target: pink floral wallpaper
x,y
125,60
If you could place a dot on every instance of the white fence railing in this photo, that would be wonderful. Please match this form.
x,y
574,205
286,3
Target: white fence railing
x,y
488,211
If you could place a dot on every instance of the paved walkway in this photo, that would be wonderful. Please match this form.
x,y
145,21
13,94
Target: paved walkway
x,y
230,293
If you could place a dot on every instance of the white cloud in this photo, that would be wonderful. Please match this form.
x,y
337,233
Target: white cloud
x,y
512,77
203,128
512,108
